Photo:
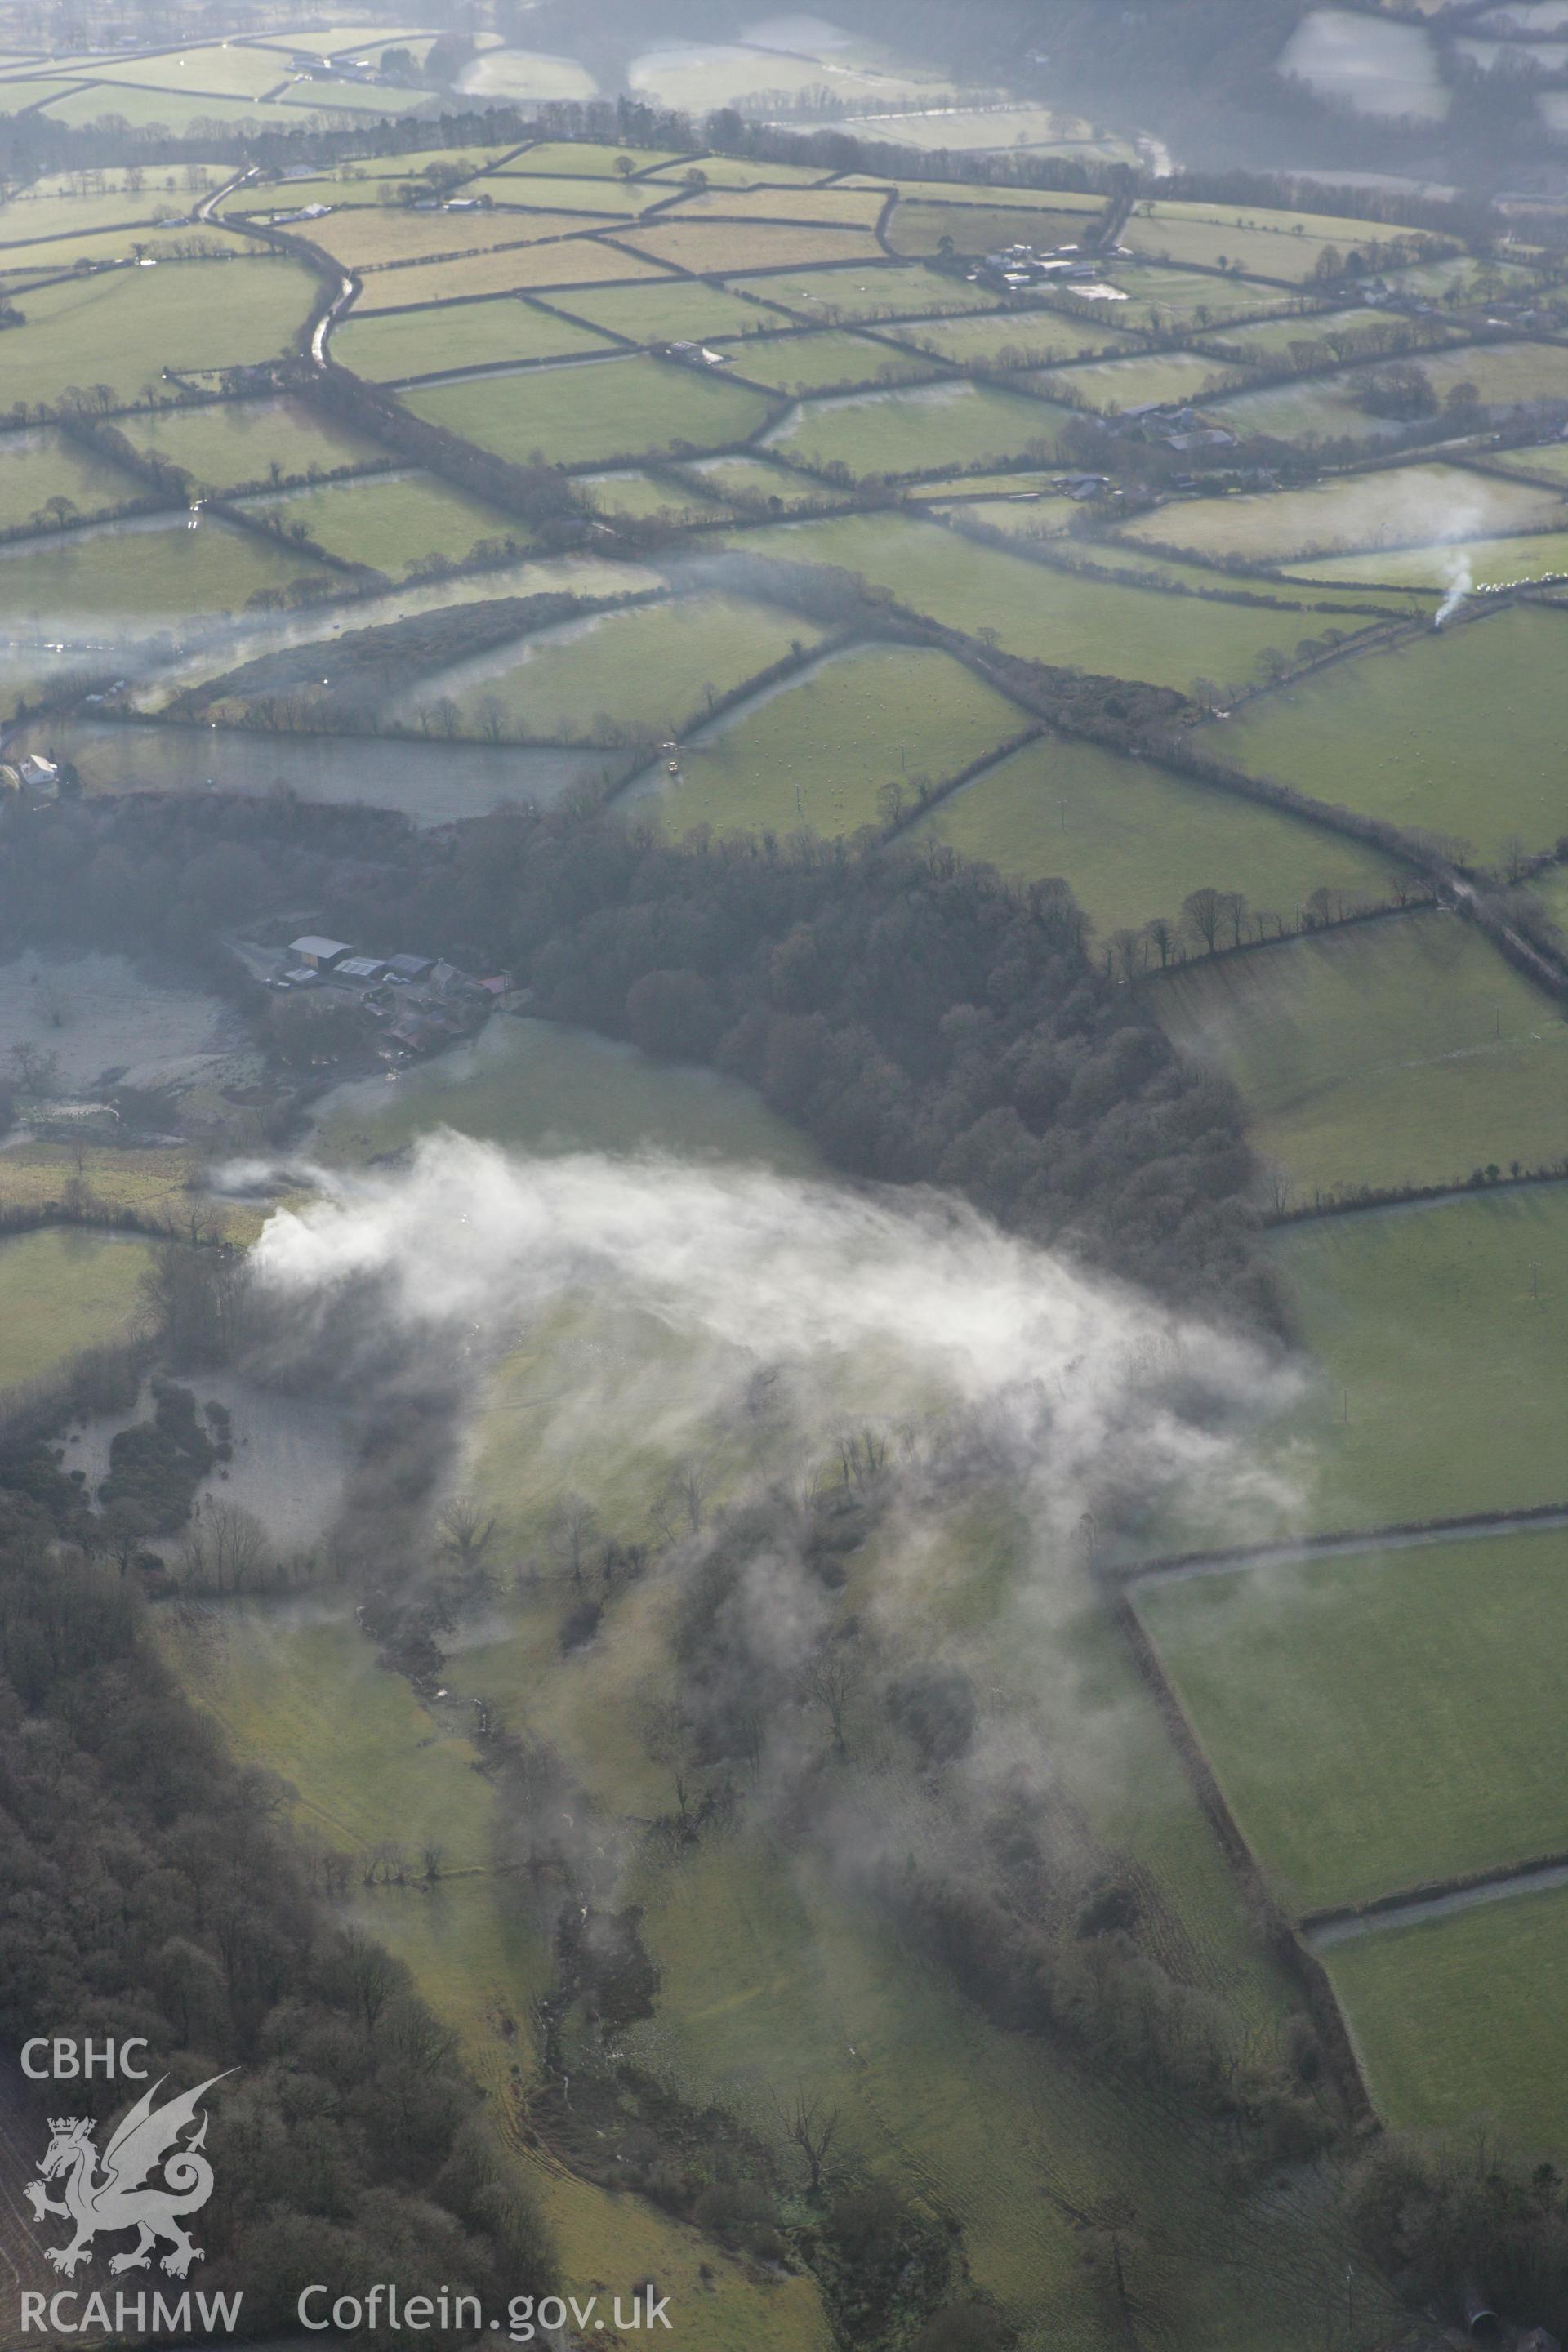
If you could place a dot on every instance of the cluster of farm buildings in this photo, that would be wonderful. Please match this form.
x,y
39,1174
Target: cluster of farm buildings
x,y
419,1004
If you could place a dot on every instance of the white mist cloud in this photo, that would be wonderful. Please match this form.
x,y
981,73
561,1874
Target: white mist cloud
x,y
867,1306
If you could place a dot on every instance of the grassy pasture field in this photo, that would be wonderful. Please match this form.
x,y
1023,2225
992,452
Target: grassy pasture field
x,y
736,171
751,479
377,237
41,463
172,242
651,665
618,408
124,329
921,227
1114,385
644,495
1270,339
885,289
820,360
388,520
543,1089
26,96
1457,2018
36,212
831,207
714,249
1274,244
921,429
1383,1719
1158,294
607,199
1488,562
182,113
233,444
1118,555
1133,842
1041,612
218,70
155,1181
1038,335
1403,1052
574,260
1307,408
572,159
407,344
817,750
61,1292
674,309
1388,1304
1546,463
1412,734
1399,506
151,571
1088,209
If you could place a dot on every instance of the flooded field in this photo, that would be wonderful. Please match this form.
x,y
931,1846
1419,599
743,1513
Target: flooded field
x,y
433,783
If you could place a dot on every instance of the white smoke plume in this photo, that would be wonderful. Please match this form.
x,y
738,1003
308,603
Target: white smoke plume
x,y
1460,582
706,1283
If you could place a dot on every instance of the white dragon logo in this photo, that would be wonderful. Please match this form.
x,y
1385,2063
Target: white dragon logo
x,y
121,2197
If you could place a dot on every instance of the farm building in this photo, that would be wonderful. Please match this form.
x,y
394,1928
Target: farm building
x,y
320,954
363,968
407,968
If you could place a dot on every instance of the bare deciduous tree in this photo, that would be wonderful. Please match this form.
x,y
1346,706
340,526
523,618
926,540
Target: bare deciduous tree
x,y
811,2127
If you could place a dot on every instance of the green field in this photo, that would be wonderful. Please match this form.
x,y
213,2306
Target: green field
x,y
1044,613
819,752
1478,563
1403,1052
151,573
753,479
922,226
1272,339
1164,296
544,1088
61,1292
380,237
125,328
404,343
820,361
389,521
675,310
1547,463
1133,841
1388,1304
42,463
1307,408
714,249
1457,2018
1277,245
566,261
1412,734
609,199
235,443
648,496
654,666
574,159
1010,336
1400,506
921,429
1117,384
574,415
829,207
217,71
183,114
1380,1721
176,241
887,290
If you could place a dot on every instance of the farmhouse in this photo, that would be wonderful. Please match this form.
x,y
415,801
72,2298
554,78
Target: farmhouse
x,y
318,954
